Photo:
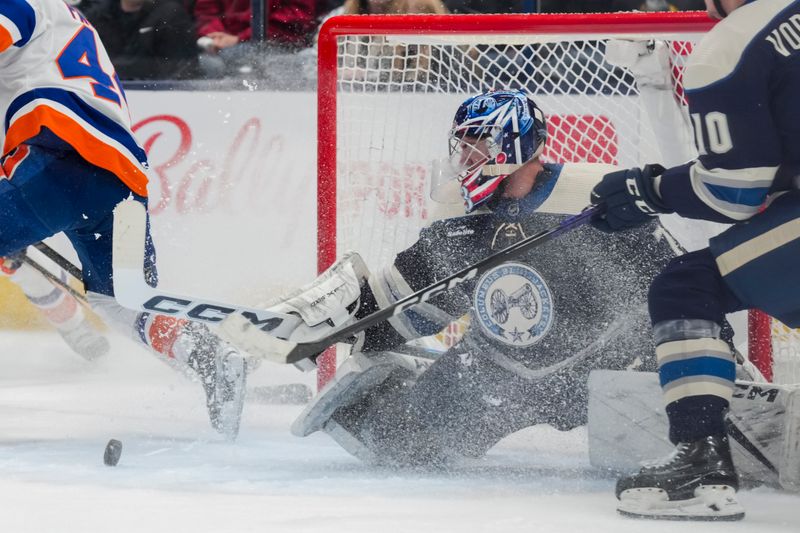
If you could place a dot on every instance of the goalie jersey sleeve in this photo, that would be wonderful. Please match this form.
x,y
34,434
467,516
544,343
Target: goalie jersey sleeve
x,y
59,86
746,120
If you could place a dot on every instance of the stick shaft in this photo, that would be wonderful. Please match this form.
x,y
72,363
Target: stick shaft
x,y
60,260
55,280
305,350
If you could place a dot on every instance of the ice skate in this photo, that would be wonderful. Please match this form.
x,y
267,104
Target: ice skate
x,y
697,482
85,341
223,373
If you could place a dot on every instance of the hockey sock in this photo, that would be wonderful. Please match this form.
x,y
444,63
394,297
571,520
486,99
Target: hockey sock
x,y
58,307
697,381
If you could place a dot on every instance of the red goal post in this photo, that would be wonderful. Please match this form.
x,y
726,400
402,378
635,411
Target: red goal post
x,y
387,85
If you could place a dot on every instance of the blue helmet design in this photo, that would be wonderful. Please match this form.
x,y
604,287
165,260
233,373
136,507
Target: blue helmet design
x,y
493,134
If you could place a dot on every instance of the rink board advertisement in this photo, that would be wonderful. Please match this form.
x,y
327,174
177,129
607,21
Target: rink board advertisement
x,y
232,189
234,178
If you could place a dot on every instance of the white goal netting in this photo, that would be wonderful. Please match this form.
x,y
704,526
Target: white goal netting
x,y
389,87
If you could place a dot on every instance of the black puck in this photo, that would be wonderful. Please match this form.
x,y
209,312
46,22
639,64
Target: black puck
x,y
112,453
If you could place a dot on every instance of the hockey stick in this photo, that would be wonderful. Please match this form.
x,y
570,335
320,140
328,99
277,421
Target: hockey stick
x,y
55,280
60,260
738,435
132,291
242,333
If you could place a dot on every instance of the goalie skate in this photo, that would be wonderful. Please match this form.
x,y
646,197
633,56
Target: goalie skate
x,y
697,482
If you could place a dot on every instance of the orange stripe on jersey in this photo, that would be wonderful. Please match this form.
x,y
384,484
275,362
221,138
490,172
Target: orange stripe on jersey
x,y
5,39
11,162
90,147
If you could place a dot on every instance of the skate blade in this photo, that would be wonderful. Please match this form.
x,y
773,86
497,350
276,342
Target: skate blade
x,y
710,503
230,410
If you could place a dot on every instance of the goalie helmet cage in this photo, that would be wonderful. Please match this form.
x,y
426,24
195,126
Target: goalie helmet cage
x,y
389,85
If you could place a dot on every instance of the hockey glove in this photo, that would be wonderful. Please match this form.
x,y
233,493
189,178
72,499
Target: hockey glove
x,y
630,198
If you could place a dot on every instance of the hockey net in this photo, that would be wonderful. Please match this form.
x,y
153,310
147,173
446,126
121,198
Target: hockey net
x,y
389,86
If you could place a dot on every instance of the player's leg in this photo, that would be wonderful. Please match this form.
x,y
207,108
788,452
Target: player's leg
x,y
756,259
688,303
56,190
221,369
58,307
21,226
190,348
401,409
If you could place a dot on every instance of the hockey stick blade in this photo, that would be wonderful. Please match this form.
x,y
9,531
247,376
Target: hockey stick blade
x,y
132,291
251,339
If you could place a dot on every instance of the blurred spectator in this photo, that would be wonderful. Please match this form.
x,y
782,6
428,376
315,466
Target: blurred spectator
x,y
385,7
484,6
659,5
224,31
576,6
81,4
146,39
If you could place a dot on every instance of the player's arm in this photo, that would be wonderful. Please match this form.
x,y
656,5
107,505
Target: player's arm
x,y
348,290
737,140
727,84
17,23
413,269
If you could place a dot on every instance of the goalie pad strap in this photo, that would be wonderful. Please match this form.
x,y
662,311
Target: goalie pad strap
x,y
423,319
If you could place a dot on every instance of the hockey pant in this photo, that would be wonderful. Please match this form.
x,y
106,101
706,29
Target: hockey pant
x,y
47,191
468,400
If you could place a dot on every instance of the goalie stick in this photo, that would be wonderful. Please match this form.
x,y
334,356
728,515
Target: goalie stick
x,y
256,341
132,291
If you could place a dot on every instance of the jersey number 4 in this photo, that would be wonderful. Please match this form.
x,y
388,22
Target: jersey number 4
x,y
79,59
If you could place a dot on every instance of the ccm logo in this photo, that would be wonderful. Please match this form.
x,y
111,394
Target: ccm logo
x,y
433,291
752,392
207,312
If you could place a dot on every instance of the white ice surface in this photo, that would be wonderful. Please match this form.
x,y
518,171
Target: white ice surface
x,y
57,412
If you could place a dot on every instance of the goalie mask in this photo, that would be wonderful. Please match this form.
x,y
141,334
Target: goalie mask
x,y
493,135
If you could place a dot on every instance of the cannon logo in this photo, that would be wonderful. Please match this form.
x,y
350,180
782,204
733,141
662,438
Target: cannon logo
x,y
514,305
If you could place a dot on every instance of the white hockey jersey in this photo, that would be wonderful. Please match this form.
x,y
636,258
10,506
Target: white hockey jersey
x,y
57,75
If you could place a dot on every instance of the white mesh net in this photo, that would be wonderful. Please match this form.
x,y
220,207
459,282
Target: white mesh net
x,y
396,96
396,99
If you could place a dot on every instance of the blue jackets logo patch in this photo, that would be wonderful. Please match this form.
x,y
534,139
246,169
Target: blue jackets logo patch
x,y
514,305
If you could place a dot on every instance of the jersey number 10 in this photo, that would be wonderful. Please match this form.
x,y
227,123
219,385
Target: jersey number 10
x,y
713,126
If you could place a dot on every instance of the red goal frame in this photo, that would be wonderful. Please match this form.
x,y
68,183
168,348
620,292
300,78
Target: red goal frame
x,y
759,334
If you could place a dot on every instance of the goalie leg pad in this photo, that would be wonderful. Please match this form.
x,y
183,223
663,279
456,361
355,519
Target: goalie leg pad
x,y
627,425
358,376
789,466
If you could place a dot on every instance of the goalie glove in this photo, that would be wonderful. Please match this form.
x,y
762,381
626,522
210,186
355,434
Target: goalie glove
x,y
328,303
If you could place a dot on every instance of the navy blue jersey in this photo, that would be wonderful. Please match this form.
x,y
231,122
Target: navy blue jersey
x,y
742,84
584,291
